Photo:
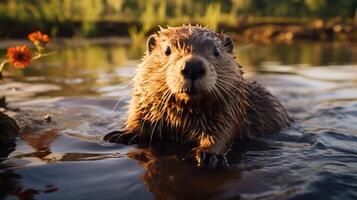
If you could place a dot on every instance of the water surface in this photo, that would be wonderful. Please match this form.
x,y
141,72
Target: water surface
x,y
316,158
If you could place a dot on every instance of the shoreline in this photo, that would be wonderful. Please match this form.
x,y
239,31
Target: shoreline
x,y
259,31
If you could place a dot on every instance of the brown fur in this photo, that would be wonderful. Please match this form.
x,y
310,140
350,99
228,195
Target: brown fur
x,y
225,108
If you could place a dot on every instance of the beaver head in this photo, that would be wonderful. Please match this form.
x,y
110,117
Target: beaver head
x,y
188,83
189,63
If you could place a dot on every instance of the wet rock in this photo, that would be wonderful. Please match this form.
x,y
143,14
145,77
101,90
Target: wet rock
x,y
8,132
47,118
3,103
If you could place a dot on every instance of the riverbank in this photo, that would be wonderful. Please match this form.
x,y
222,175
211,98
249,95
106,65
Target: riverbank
x,y
260,30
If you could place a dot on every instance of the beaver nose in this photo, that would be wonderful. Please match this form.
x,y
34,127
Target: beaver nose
x,y
193,69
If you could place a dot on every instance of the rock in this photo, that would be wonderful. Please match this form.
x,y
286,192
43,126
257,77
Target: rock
x,y
8,131
3,103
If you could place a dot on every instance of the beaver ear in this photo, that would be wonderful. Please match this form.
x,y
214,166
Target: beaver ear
x,y
228,43
151,42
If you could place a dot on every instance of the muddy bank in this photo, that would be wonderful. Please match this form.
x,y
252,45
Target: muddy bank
x,y
321,30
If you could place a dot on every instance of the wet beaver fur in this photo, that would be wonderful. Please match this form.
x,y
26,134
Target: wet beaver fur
x,y
190,89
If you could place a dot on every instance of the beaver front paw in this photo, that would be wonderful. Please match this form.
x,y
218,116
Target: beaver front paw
x,y
121,137
206,159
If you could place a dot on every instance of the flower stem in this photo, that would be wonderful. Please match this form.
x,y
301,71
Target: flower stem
x,y
2,65
40,55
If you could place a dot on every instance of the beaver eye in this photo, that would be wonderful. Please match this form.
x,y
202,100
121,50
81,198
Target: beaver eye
x,y
216,52
167,51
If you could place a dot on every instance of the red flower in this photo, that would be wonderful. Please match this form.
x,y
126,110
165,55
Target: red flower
x,y
38,37
19,56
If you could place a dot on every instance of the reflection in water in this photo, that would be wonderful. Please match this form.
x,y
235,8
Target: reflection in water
x,y
169,175
41,143
10,184
87,68
78,70
299,53
10,181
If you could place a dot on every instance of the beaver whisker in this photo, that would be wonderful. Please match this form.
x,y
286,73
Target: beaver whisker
x,y
230,108
231,91
224,101
225,89
117,104
246,46
232,85
151,98
222,77
162,99
247,102
222,97
215,94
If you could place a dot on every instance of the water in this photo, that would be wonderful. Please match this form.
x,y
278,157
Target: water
x,y
316,158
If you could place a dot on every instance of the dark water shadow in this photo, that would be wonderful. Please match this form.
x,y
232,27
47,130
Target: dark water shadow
x,y
168,174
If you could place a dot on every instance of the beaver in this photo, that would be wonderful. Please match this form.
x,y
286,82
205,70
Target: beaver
x,y
190,89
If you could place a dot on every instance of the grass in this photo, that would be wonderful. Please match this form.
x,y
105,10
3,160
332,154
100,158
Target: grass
x,y
137,36
212,16
145,15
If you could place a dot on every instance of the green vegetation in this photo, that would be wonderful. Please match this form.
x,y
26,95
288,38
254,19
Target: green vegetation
x,y
84,17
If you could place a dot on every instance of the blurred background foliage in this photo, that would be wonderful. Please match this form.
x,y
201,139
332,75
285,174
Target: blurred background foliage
x,y
83,66
135,17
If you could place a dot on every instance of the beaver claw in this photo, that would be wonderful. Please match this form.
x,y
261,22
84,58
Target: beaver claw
x,y
211,160
121,137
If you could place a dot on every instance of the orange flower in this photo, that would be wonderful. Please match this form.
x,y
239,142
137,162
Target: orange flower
x,y
19,56
38,37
